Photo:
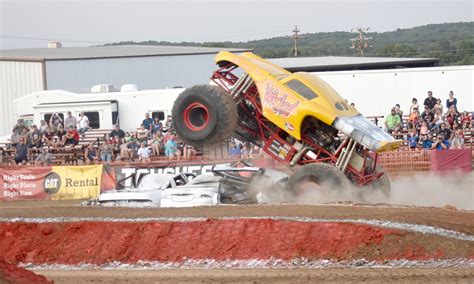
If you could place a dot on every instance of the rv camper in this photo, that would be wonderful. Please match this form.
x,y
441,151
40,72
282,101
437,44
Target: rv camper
x,y
104,109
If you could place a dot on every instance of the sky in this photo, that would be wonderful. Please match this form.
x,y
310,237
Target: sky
x,y
27,24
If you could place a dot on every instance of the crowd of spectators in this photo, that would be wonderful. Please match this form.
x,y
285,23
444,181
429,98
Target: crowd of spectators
x,y
433,127
54,133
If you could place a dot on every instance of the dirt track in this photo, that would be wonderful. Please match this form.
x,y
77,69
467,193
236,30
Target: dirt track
x,y
458,220
334,275
447,218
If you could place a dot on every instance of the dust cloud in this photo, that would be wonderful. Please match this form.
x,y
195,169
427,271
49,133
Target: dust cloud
x,y
454,189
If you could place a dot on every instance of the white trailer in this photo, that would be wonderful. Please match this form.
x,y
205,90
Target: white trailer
x,y
375,92
103,109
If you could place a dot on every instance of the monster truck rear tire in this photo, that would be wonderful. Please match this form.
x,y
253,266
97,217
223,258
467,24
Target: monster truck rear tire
x,y
322,174
204,115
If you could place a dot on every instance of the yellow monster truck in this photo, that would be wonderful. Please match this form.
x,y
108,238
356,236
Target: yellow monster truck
x,y
295,117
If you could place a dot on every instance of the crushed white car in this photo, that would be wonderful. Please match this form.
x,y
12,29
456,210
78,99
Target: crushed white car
x,y
226,185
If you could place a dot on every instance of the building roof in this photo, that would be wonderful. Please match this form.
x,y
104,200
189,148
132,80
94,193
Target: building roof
x,y
338,63
116,51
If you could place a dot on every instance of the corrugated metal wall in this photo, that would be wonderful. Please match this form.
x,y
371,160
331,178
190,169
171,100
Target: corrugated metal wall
x,y
16,79
155,72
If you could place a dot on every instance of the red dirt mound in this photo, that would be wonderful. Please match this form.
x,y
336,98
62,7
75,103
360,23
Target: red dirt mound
x,y
10,273
239,239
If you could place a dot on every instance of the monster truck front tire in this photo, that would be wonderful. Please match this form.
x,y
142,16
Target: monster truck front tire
x,y
382,184
321,174
204,115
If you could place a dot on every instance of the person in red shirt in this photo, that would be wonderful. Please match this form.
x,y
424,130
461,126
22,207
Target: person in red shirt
x,y
71,137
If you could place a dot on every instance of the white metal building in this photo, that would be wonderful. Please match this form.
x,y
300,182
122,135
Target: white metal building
x,y
77,69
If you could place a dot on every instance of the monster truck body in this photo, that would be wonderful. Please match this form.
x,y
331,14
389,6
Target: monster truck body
x,y
296,117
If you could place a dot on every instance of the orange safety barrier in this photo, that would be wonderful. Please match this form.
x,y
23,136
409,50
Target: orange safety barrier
x,y
403,163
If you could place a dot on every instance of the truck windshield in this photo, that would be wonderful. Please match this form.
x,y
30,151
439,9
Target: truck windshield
x,y
301,89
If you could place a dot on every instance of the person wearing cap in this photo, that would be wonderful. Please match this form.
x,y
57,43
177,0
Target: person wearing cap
x,y
428,116
441,143
70,120
392,122
430,101
117,132
71,137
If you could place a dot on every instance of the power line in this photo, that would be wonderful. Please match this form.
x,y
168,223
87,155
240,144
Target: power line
x,y
51,39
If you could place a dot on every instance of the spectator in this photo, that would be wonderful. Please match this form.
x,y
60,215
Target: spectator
x,y
55,120
430,101
21,152
91,154
43,126
19,127
428,116
171,147
142,134
438,119
156,143
438,106
245,152
457,141
426,141
412,140
83,123
413,119
424,128
399,112
2,155
71,137
106,151
61,133
143,153
414,104
441,143
70,120
125,152
147,122
392,122
117,132
452,101
35,137
465,120
234,151
256,151
44,159
452,115
169,122
157,125
133,146
444,131
189,151
48,137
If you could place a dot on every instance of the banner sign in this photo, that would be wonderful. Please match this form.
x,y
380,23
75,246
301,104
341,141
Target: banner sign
x,y
50,183
74,182
23,183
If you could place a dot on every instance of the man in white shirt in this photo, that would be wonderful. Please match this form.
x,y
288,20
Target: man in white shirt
x,y
83,123
143,153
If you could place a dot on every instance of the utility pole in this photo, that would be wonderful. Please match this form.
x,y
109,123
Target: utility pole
x,y
295,38
360,42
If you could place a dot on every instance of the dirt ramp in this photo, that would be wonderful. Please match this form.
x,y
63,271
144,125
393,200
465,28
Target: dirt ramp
x,y
10,273
222,239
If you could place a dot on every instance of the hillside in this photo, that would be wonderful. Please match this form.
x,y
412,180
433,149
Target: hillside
x,y
452,43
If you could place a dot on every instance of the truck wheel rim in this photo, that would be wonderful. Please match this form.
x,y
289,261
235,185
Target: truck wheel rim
x,y
196,116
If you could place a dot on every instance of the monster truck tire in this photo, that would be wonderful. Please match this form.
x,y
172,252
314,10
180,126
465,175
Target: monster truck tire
x,y
382,184
204,115
319,173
